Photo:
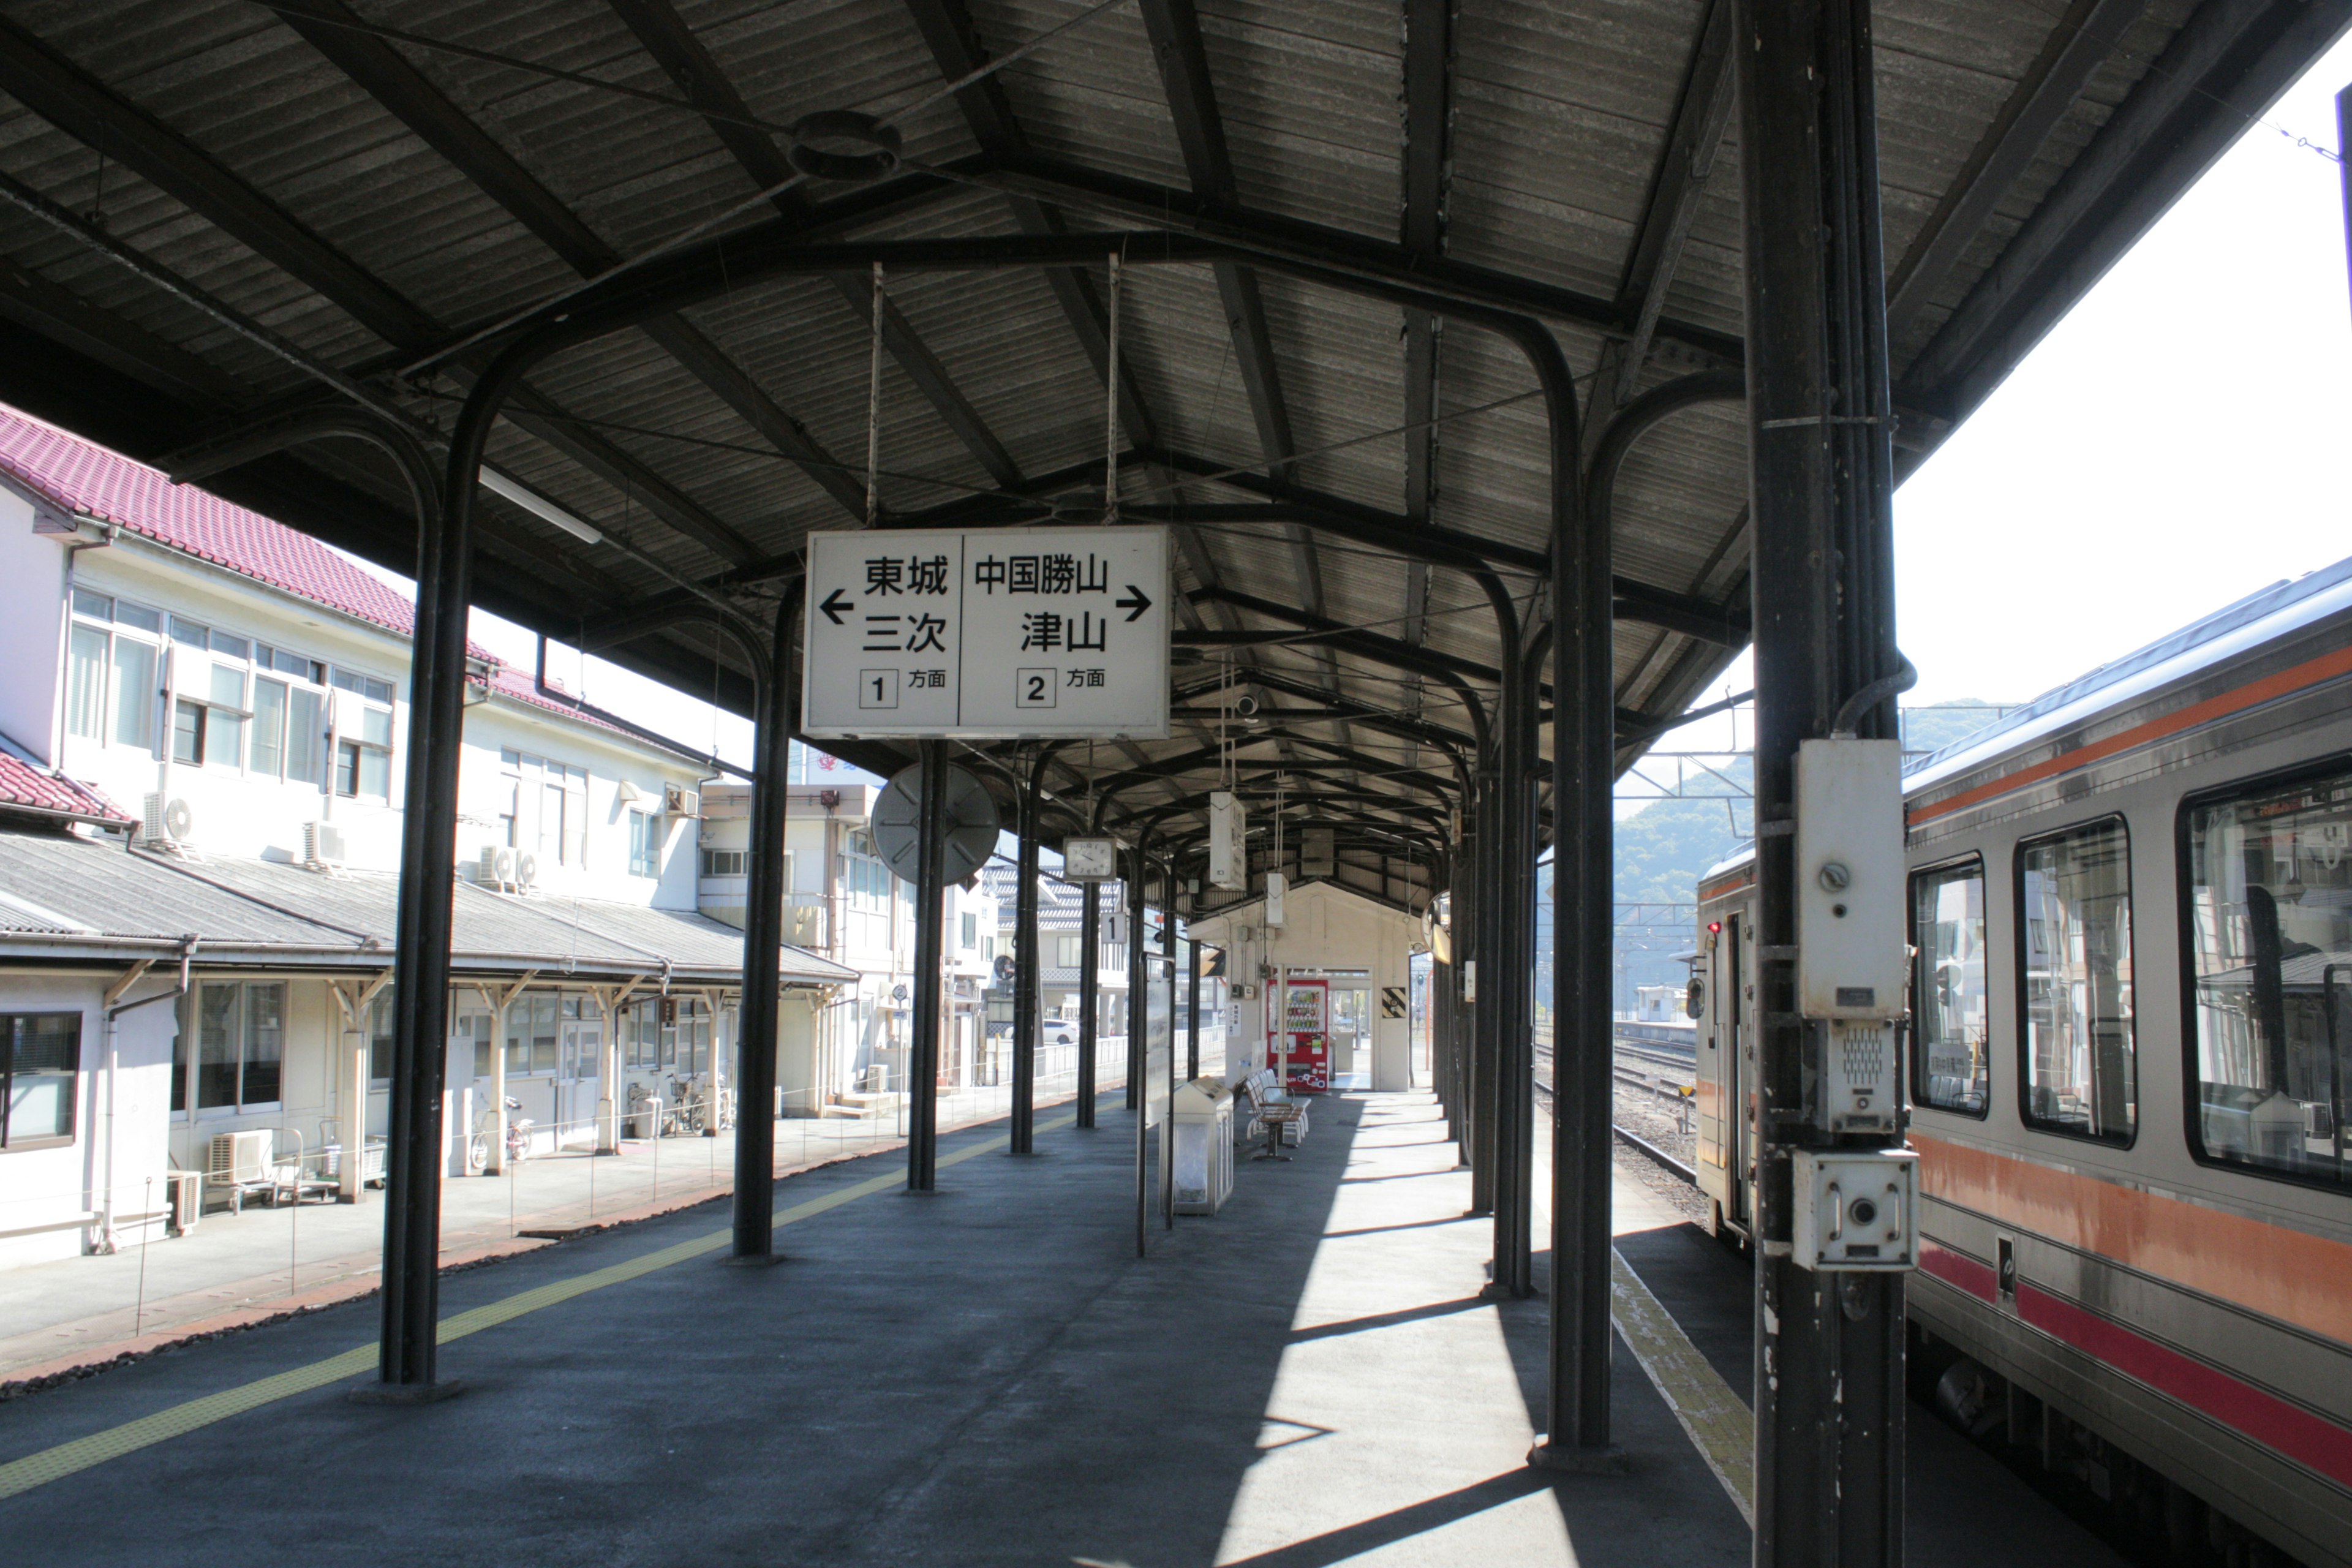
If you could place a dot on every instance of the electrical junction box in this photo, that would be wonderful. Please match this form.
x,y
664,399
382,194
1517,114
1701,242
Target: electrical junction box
x,y
1852,960
1856,1209
1228,841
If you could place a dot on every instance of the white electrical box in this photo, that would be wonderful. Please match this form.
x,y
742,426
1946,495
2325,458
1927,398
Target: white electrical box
x,y
1276,884
1851,952
1228,841
1856,1209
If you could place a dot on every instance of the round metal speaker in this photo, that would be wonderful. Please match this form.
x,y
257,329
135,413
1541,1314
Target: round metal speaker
x,y
971,824
880,143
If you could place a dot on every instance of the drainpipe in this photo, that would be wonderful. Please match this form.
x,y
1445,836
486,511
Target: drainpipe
x,y
109,1241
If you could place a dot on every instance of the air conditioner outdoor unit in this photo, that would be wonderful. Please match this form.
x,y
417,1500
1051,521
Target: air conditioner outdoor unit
x,y
323,844
236,1158
526,870
679,801
186,1206
165,824
496,867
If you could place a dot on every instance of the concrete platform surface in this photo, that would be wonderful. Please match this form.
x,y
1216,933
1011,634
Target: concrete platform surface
x,y
987,1375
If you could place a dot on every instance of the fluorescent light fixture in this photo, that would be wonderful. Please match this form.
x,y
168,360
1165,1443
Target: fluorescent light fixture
x,y
538,505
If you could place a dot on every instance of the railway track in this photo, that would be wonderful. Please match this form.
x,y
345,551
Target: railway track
x,y
1632,1140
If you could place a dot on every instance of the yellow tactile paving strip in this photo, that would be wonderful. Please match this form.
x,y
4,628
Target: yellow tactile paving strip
x,y
69,1459
1717,1420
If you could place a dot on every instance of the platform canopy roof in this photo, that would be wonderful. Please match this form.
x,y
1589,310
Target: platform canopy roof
x,y
217,211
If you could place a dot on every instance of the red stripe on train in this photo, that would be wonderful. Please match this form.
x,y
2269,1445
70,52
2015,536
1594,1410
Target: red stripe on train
x,y
2264,1418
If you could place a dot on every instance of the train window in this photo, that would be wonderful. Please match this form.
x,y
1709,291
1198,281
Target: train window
x,y
2074,901
1949,1069
2269,937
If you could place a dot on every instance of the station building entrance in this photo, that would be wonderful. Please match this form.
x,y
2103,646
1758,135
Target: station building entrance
x,y
1346,959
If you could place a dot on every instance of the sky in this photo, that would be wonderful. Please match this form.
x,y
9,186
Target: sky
x,y
2182,438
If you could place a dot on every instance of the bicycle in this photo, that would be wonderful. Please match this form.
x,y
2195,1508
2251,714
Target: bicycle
x,y
478,1151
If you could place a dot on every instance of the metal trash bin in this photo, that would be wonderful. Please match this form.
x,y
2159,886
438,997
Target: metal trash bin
x,y
1202,1113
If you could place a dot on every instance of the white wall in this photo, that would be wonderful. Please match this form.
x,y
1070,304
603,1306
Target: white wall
x,y
238,812
32,630
501,724
51,1187
1325,929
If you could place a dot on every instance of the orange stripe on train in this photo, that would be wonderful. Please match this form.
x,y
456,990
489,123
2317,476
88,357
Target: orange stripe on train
x,y
2287,1275
2311,672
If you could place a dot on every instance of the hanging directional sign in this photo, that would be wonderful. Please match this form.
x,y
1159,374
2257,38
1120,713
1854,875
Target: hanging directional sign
x,y
995,633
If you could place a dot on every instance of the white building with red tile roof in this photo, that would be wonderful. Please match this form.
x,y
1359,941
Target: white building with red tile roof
x,y
180,654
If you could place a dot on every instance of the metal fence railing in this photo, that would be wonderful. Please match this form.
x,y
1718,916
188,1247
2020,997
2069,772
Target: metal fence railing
x,y
288,1237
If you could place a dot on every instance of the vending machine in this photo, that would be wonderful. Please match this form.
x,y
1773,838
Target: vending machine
x,y
1303,1035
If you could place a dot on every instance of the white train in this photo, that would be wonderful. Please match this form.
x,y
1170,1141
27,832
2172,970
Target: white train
x,y
2130,1068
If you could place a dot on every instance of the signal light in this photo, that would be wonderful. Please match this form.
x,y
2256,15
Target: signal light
x,y
1715,928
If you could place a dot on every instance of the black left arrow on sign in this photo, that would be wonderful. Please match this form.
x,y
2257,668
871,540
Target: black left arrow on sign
x,y
1134,606
834,605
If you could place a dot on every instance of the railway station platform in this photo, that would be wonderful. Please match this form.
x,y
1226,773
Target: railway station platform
x,y
986,1374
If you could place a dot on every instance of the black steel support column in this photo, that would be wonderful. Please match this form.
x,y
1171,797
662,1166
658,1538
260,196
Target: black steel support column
x,y
1467,896
428,869
1141,870
1089,996
1485,1002
1515,960
776,698
1829,1348
1584,642
923,1050
1192,1009
1026,971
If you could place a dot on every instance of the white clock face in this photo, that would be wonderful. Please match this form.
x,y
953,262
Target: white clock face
x,y
1095,858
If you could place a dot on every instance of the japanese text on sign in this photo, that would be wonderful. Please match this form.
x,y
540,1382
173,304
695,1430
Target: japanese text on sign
x,y
1001,633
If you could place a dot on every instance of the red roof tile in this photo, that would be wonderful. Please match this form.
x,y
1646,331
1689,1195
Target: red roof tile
x,y
87,479
24,786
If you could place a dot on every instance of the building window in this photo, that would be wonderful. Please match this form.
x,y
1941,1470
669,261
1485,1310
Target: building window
x,y
40,1067
532,1034
225,718
545,808
864,876
1069,952
99,645
285,718
2076,975
381,1044
724,863
2270,963
363,762
1950,1067
187,731
644,846
667,1034
971,932
85,682
134,693
240,1044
